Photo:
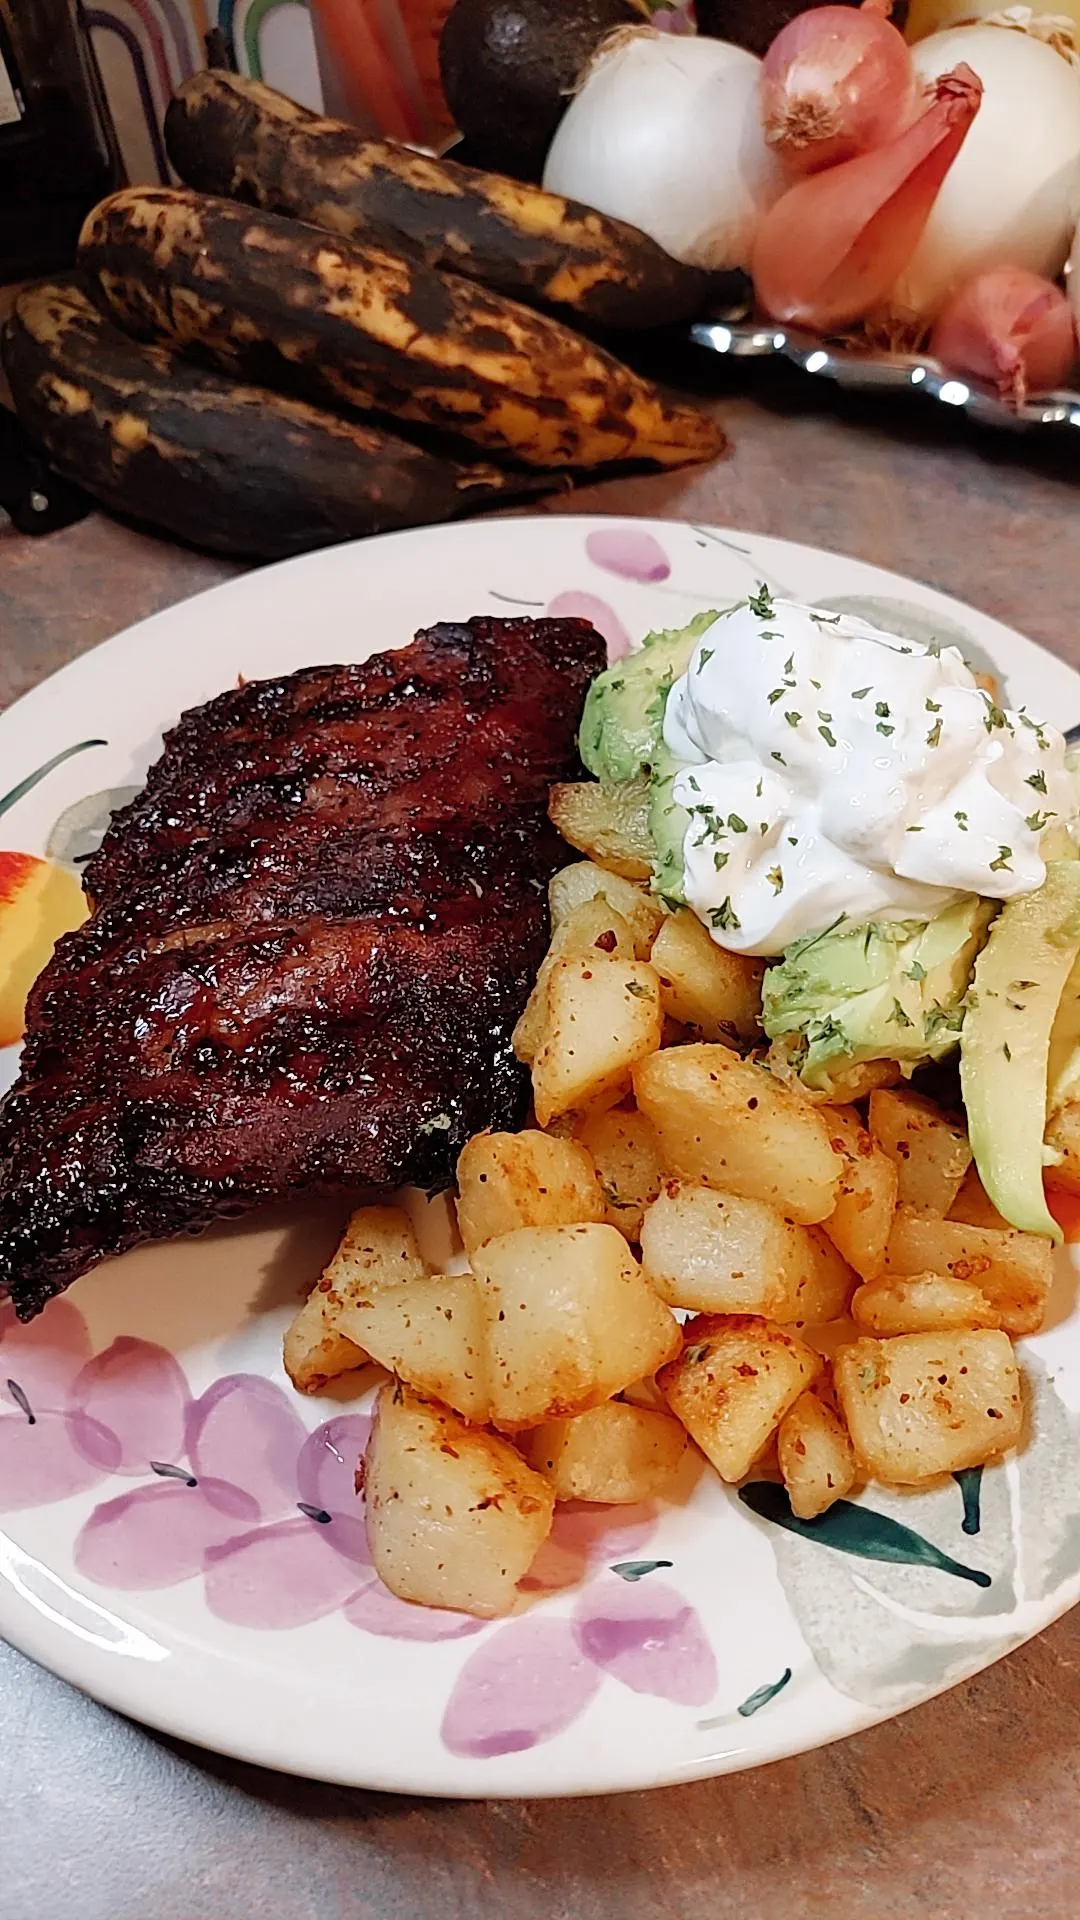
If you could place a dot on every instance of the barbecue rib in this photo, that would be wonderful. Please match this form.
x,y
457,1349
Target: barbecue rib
x,y
313,932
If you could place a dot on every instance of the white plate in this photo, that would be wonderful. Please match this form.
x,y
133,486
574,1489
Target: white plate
x,y
656,1645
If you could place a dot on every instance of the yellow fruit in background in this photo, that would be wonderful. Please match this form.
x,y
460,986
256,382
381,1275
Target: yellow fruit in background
x,y
933,16
38,902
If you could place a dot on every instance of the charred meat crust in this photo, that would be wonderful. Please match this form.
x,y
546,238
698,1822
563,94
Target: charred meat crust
x,y
289,994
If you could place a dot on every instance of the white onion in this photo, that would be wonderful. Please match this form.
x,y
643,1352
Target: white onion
x,y
666,133
1010,196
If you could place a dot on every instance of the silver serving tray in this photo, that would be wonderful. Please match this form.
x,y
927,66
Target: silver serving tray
x,y
739,336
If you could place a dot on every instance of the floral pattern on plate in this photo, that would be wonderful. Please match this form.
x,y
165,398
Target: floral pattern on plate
x,y
163,1492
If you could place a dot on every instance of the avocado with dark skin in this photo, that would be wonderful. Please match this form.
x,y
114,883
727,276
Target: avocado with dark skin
x,y
508,68
754,24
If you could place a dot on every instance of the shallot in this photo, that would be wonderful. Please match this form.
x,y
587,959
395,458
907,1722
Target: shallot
x,y
836,81
1010,329
1011,197
665,132
828,252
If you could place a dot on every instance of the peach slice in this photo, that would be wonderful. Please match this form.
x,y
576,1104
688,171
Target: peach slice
x,y
38,902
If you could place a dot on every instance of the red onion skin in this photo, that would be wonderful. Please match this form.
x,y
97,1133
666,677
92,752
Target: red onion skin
x,y
836,82
1010,330
833,246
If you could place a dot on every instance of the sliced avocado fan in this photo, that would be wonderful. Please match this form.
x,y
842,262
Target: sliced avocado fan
x,y
622,735
886,990
1005,1044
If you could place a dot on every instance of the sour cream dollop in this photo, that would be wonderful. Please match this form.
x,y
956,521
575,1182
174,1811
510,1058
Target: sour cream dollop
x,y
833,769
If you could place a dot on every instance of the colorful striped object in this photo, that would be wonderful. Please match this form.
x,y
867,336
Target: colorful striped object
x,y
370,61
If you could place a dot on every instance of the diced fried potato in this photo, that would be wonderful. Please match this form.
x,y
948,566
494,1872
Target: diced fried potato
x,y
730,1124
593,928
315,1351
614,1454
1014,1270
609,823
530,1179
826,1283
815,1454
930,1148
706,988
732,1385
431,1333
603,1016
922,1303
929,1403
866,1201
720,1253
625,1151
571,1320
973,1206
454,1516
377,1249
1063,1135
643,912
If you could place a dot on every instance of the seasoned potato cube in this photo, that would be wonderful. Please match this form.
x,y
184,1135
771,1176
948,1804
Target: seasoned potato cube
x,y
732,1385
866,1200
641,910
315,1351
571,1320
609,823
593,928
377,1249
615,1454
826,1283
603,1016
973,1206
626,1154
731,1125
511,1180
922,1303
930,1148
1014,1270
715,992
719,1253
929,1403
815,1454
454,1516
429,1332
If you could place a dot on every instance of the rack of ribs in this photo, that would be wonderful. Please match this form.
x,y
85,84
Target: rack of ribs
x,y
311,936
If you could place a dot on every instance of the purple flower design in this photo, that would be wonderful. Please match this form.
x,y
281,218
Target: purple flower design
x,y
586,606
231,1488
628,552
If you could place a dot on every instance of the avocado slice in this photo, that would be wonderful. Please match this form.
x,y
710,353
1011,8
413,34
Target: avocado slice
x,y
1019,980
886,990
622,726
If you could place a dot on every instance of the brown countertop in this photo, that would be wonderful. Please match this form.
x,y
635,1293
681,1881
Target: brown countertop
x,y
964,1809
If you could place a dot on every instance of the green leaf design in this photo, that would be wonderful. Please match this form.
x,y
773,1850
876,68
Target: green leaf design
x,y
637,1569
32,779
969,1481
762,1695
856,1530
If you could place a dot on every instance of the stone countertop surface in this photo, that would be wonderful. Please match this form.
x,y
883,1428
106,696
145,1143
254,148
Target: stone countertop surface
x,y
965,1809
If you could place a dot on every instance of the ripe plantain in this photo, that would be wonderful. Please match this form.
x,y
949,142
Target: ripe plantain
x,y
272,300
230,135
232,468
